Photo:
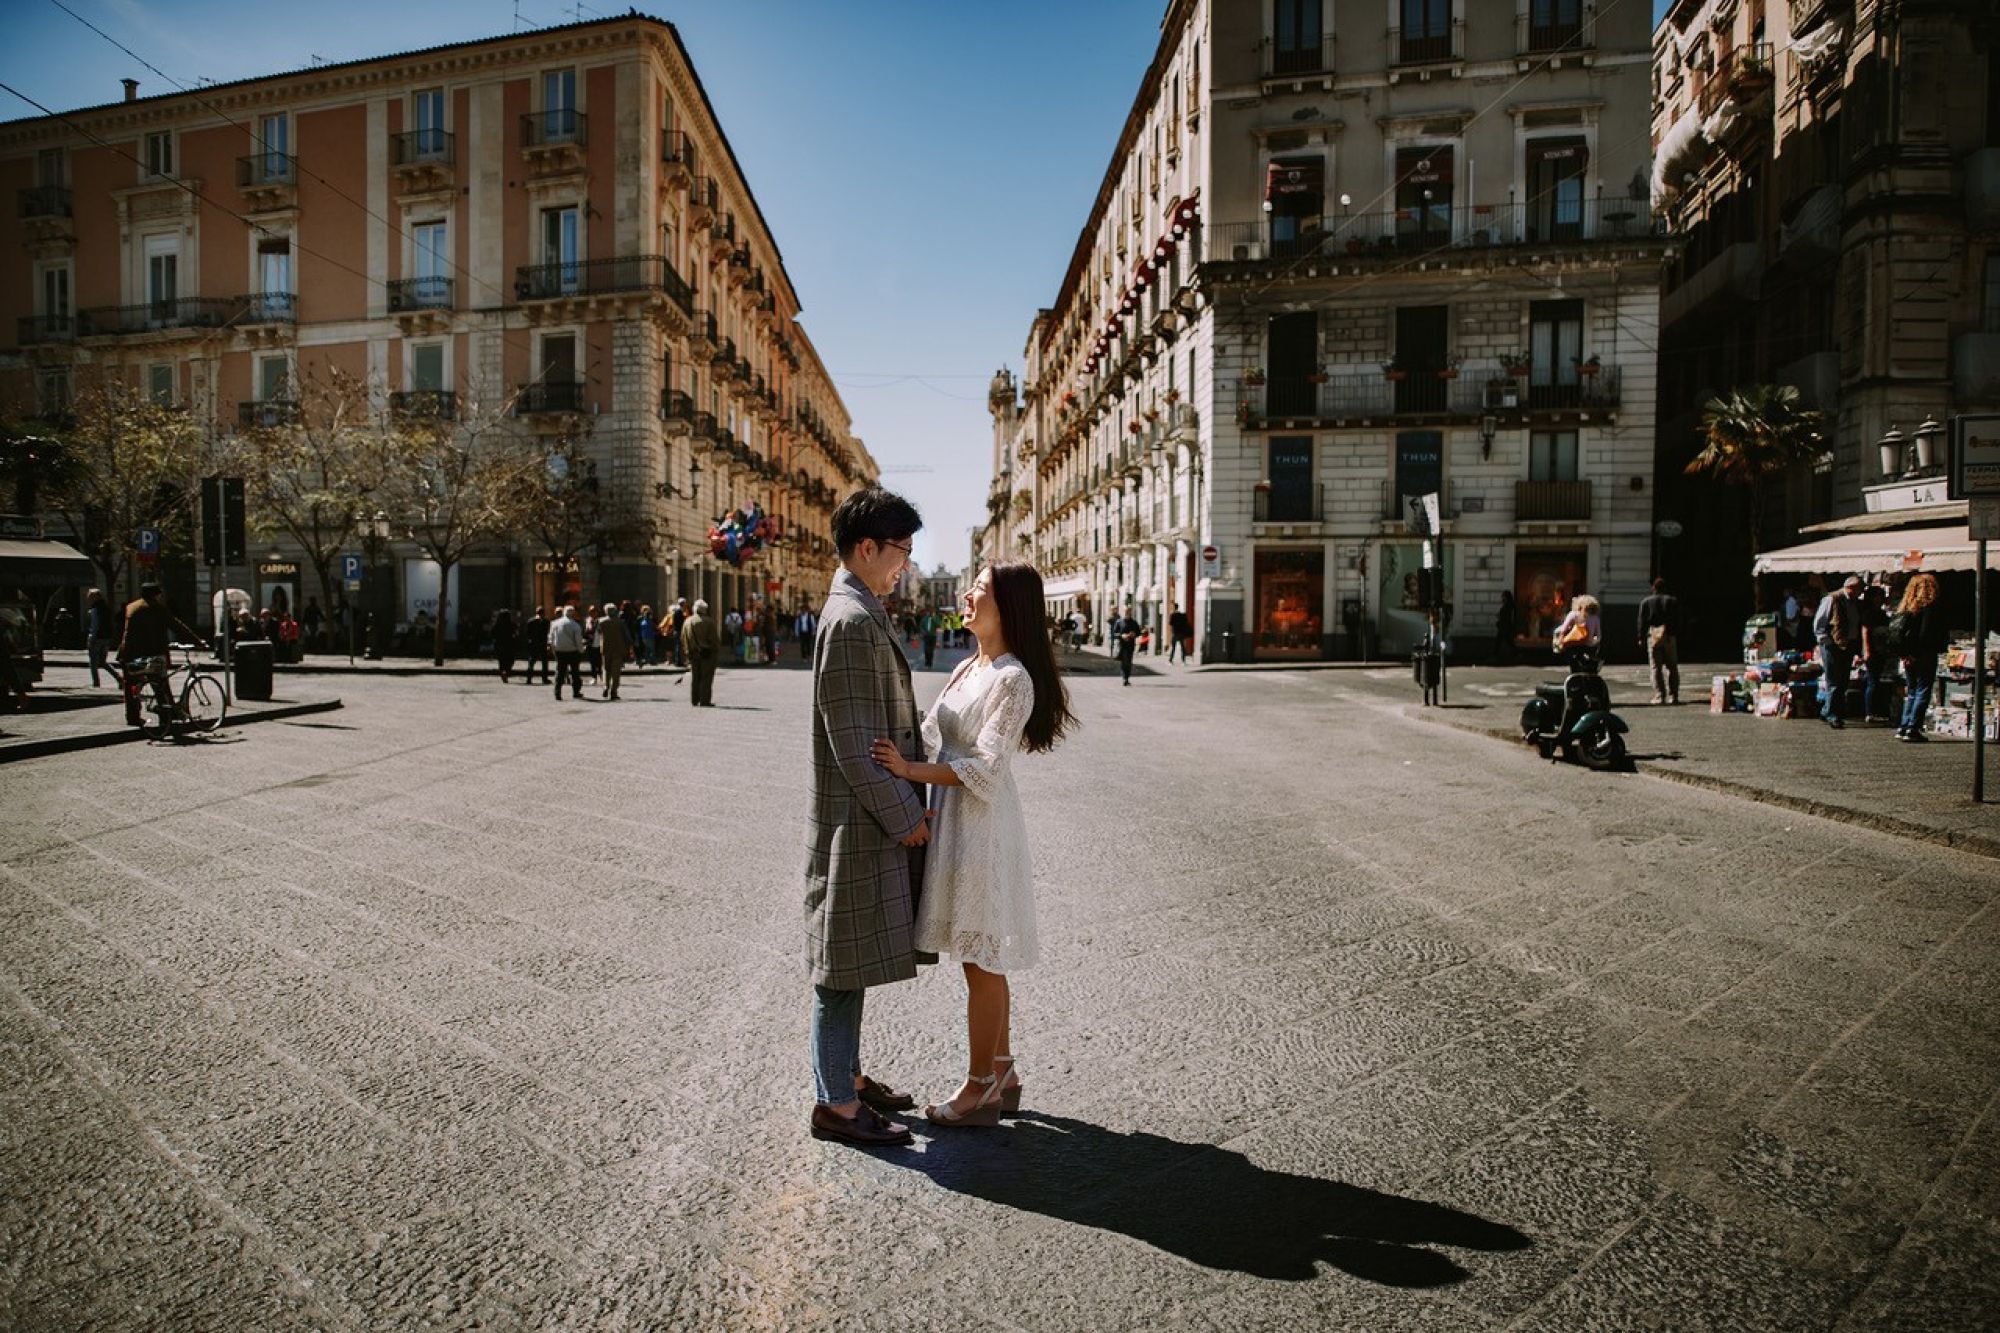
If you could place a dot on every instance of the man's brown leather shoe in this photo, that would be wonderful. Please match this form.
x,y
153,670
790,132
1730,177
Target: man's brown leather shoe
x,y
866,1128
883,1097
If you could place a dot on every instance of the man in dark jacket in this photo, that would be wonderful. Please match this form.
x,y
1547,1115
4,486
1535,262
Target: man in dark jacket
x,y
535,646
149,630
1660,635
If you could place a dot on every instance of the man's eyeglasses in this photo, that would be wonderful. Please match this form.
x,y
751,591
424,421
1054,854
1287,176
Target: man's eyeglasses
x,y
909,549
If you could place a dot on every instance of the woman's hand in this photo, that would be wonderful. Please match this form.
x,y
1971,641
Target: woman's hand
x,y
890,758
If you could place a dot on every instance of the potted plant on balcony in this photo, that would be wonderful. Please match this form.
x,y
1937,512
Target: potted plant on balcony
x,y
1318,375
1173,396
1152,414
1394,371
1246,415
1254,376
1516,364
1135,428
1589,366
1449,370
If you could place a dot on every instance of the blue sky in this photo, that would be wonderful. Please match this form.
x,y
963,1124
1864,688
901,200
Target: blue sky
x,y
925,167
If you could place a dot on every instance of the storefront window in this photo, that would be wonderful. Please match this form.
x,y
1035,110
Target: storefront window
x,y
1291,611
1544,584
1403,622
558,586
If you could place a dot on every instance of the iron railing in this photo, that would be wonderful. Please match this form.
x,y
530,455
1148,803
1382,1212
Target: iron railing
x,y
422,146
1304,503
1468,392
676,147
1549,221
267,412
676,405
549,396
267,168
705,427
429,404
591,277
1286,59
45,201
187,312
1543,500
269,308
557,125
432,293
1427,45
36,329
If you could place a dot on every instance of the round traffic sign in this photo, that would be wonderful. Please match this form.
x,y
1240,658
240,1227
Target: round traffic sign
x,y
1210,553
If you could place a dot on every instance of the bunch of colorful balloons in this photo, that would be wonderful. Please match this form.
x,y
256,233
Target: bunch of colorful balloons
x,y
740,532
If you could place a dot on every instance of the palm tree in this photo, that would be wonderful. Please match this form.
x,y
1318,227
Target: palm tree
x,y
1753,435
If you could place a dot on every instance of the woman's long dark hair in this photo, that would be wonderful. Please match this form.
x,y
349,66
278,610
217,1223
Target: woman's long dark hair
x,y
1017,591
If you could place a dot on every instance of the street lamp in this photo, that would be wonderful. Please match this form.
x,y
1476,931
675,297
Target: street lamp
x,y
1926,437
1891,448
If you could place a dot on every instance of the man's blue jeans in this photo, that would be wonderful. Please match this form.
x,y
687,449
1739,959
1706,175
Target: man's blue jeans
x,y
1919,676
836,1043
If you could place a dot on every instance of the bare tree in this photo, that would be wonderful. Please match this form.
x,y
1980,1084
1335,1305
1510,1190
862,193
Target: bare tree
x,y
311,474
127,462
559,502
447,485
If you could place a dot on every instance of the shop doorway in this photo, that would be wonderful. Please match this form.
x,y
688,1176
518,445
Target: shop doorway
x,y
1291,603
1403,622
1545,582
558,583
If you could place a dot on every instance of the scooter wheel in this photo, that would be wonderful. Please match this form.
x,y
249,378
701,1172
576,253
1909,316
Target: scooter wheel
x,y
1601,747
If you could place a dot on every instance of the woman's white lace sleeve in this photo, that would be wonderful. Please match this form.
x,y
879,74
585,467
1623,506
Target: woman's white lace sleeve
x,y
982,771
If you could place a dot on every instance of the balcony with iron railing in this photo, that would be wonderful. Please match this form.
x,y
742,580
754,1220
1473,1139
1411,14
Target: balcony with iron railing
x,y
1550,29
676,405
680,155
45,201
268,308
1295,503
261,170
36,330
427,147
723,362
1542,501
544,397
267,413
425,404
1297,59
432,293
705,427
1427,44
1397,233
601,277
187,312
557,126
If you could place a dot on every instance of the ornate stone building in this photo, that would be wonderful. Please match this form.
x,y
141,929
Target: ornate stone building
x,y
553,220
1331,268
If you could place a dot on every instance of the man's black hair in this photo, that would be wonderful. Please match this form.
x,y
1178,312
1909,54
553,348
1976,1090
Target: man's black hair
x,y
873,514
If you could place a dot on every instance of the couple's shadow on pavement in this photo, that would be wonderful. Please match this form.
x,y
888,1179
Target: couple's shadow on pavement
x,y
1206,1204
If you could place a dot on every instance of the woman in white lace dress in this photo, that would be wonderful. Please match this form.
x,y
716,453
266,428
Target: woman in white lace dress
x,y
978,900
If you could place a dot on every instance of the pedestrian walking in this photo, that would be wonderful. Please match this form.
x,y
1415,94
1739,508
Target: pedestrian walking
x,y
867,828
674,630
628,612
1124,631
566,645
805,628
311,620
1836,627
1917,632
649,638
506,642
1660,635
1181,628
535,640
978,901
732,633
97,633
1878,665
927,628
612,647
703,645
592,656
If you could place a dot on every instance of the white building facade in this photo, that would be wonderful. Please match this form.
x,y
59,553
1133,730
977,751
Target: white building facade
x,y
1337,263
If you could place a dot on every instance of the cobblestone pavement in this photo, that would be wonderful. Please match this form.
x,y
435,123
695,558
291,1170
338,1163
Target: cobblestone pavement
x,y
461,1007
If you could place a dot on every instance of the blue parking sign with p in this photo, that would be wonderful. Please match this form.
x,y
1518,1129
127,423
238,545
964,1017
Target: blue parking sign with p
x,y
149,541
350,566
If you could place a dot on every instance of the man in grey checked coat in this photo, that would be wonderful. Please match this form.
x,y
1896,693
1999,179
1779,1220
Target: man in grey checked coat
x,y
868,829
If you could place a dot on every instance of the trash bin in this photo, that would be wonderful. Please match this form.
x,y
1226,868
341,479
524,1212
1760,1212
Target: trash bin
x,y
252,660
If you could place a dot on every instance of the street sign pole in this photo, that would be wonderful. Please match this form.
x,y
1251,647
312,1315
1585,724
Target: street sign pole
x,y
223,622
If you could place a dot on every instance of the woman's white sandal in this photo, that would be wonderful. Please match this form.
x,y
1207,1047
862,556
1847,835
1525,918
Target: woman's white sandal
x,y
1010,1094
984,1113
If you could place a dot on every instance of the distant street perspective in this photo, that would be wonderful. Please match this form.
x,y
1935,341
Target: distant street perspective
x,y
460,1007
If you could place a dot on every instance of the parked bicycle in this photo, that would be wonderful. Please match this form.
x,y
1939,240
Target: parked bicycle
x,y
197,708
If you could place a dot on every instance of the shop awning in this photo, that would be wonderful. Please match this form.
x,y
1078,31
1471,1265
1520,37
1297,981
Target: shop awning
x,y
44,563
1904,549
1065,587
